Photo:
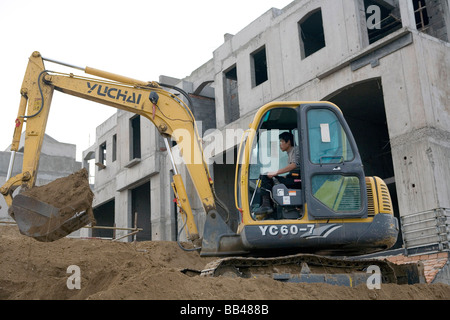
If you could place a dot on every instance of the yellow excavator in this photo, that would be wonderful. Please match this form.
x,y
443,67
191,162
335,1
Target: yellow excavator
x,y
334,210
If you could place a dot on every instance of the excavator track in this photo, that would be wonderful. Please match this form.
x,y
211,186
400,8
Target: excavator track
x,y
312,268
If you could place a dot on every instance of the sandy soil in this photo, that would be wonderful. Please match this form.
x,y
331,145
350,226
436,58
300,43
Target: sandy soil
x,y
151,270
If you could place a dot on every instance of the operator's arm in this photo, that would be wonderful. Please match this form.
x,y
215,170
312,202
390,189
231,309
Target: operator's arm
x,y
288,168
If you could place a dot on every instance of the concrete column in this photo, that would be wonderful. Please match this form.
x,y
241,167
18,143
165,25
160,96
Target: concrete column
x,y
363,35
122,209
446,9
160,212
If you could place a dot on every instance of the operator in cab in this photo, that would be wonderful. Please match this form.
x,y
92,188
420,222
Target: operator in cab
x,y
291,180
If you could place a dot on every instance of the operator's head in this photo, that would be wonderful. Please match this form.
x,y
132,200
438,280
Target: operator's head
x,y
286,141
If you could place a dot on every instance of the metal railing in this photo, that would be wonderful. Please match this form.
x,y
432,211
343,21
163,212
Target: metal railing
x,y
427,231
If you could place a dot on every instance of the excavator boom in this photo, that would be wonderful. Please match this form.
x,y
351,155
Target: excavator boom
x,y
169,114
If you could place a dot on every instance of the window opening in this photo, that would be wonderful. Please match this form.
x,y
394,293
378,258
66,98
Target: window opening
x,y
259,66
231,95
135,137
421,15
312,35
389,21
114,148
102,156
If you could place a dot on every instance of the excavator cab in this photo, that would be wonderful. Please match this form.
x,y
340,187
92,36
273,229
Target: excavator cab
x,y
334,209
331,168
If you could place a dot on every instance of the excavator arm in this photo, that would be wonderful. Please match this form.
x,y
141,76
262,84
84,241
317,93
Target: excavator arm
x,y
167,112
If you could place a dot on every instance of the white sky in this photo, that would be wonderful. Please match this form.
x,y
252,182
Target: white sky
x,y
135,38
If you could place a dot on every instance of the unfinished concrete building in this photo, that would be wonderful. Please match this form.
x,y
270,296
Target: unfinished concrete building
x,y
384,63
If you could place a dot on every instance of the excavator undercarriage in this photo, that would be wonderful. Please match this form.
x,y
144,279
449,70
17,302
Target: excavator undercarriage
x,y
311,268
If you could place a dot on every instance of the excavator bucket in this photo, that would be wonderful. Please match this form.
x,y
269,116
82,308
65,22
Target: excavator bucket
x,y
45,222
50,212
219,239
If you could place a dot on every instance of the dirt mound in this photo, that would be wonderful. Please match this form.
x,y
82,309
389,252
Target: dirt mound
x,y
63,191
151,270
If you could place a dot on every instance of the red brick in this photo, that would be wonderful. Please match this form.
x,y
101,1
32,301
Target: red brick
x,y
443,255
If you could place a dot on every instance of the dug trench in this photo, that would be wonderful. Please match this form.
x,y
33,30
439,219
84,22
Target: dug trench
x,y
152,270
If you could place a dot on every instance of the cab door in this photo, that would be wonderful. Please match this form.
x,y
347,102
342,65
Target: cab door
x,y
333,176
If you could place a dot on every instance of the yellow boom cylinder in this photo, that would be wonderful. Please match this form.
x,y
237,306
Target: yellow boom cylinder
x,y
114,77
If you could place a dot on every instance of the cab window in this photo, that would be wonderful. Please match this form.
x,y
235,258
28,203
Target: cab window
x,y
328,142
